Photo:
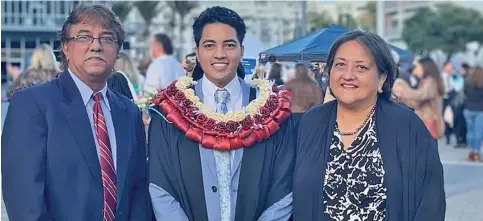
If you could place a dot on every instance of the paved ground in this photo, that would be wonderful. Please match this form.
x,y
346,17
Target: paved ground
x,y
463,184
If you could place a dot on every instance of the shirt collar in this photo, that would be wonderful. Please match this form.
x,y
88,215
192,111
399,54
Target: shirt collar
x,y
86,92
233,87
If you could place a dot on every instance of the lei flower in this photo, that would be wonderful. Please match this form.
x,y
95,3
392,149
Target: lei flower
x,y
258,121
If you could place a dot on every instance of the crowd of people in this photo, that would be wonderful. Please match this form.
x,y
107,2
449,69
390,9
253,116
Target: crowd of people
x,y
346,139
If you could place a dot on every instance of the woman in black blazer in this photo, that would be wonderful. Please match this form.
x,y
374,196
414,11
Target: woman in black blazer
x,y
362,156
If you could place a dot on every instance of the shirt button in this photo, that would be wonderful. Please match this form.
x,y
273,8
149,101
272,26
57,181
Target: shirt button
x,y
234,190
214,189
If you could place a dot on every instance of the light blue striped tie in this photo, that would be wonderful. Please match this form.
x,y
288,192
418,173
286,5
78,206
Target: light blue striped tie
x,y
222,158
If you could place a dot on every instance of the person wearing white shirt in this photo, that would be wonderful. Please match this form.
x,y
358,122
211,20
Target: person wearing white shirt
x,y
165,68
268,66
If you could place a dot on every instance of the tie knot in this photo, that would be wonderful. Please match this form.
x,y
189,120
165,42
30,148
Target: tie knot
x,y
96,97
222,96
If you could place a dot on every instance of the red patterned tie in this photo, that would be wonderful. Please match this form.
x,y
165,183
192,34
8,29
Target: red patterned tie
x,y
107,164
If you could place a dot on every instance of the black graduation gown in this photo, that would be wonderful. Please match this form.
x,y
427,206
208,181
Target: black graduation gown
x,y
265,178
413,170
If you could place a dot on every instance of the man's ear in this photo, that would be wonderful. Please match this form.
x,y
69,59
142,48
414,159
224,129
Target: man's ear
x,y
65,51
196,53
242,50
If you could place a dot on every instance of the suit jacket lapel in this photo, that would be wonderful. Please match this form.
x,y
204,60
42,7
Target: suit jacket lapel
x,y
123,130
78,121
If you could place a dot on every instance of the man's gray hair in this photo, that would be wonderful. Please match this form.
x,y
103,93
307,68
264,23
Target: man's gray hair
x,y
91,14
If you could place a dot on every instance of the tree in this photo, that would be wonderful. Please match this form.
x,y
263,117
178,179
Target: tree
x,y
368,18
449,29
318,20
347,21
182,9
122,9
149,10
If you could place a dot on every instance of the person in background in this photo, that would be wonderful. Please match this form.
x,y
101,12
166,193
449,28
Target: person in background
x,y
305,92
72,149
119,83
426,99
465,70
259,72
165,68
474,112
363,156
320,76
125,66
43,67
143,68
449,96
272,59
275,74
188,63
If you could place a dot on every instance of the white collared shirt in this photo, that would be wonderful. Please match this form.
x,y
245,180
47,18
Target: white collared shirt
x,y
233,87
235,103
86,94
162,72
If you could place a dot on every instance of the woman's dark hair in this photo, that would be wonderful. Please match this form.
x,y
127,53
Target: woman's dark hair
x,y
272,58
276,74
301,69
466,67
222,15
165,41
431,70
118,83
379,50
93,14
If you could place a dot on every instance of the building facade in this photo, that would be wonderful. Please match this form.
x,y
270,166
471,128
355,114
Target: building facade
x,y
27,24
271,22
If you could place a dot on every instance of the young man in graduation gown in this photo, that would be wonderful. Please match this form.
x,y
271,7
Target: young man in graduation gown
x,y
217,150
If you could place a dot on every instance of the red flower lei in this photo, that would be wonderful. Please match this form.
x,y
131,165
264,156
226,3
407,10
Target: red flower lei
x,y
221,135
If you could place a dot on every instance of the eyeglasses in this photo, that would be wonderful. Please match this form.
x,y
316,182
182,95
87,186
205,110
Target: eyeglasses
x,y
87,40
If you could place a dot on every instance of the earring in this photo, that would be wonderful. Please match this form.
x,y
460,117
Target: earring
x,y
380,91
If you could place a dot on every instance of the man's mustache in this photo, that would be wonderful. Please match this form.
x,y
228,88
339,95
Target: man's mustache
x,y
96,57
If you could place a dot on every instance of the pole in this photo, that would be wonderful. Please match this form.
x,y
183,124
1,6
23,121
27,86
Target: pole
x,y
380,18
304,18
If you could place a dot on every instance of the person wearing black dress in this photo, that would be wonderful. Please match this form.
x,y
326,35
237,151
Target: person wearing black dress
x,y
363,156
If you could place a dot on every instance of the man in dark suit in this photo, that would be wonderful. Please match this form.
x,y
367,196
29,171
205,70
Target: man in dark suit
x,y
71,148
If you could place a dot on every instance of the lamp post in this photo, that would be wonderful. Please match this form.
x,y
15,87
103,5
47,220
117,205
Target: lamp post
x,y
304,18
380,18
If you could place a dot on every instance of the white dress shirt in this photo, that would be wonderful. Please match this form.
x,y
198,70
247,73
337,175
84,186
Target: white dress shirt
x,y
162,72
235,103
86,94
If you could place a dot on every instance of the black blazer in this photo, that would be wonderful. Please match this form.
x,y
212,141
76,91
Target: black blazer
x,y
414,174
50,166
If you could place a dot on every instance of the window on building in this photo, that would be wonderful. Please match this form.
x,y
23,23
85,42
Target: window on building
x,y
15,44
30,44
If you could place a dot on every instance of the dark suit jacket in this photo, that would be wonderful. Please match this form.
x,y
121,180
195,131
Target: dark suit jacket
x,y
50,166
